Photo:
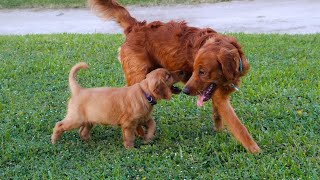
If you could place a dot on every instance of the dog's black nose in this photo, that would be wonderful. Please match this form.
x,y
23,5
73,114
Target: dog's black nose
x,y
186,91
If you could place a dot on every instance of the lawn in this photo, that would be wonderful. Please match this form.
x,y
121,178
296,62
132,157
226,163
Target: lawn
x,y
82,3
278,102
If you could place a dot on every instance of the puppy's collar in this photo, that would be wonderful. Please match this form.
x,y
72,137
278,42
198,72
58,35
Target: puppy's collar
x,y
150,99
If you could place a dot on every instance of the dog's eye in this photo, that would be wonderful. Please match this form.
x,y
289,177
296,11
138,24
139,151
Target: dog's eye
x,y
201,72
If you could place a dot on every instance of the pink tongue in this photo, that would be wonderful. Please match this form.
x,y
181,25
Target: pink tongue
x,y
200,100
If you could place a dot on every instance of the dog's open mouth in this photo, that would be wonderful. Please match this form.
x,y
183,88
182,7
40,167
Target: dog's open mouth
x,y
175,90
206,94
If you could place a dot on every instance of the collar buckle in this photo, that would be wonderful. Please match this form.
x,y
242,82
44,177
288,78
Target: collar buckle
x,y
150,99
234,87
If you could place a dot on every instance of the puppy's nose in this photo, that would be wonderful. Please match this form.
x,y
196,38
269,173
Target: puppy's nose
x,y
186,91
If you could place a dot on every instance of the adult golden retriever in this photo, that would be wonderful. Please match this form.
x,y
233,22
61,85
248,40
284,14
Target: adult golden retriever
x,y
213,63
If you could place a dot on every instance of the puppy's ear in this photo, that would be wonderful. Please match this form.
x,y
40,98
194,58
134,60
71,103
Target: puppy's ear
x,y
230,63
160,89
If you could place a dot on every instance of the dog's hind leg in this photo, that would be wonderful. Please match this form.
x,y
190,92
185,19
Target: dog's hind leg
x,y
68,123
135,64
84,131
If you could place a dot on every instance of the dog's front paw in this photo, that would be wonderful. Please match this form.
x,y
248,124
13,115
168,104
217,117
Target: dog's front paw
x,y
218,128
254,149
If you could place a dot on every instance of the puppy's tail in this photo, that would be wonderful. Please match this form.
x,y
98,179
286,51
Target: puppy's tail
x,y
110,9
74,86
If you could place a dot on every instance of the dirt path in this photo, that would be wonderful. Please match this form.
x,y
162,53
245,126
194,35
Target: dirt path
x,y
283,16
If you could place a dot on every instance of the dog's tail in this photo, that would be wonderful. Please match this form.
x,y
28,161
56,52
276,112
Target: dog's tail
x,y
110,9
74,86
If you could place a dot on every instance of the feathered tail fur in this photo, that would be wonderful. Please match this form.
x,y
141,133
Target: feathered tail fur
x,y
110,9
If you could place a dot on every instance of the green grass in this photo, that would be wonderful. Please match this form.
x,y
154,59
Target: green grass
x,y
82,3
278,102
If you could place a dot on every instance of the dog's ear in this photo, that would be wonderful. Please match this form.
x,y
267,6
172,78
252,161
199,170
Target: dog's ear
x,y
245,64
160,89
230,63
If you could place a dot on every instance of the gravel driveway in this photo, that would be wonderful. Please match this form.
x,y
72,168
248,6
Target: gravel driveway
x,y
283,16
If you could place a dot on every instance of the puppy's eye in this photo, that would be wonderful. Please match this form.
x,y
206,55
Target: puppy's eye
x,y
201,72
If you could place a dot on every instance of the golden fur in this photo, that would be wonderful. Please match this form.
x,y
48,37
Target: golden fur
x,y
126,107
210,61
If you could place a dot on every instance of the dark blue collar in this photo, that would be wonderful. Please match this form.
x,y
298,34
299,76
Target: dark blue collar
x,y
150,99
240,69
240,65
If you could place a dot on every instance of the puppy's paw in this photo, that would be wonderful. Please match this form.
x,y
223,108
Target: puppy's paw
x,y
128,145
53,139
148,138
146,141
140,132
254,149
85,138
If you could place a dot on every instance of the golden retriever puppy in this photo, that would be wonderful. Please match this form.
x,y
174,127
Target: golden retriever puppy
x,y
127,107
